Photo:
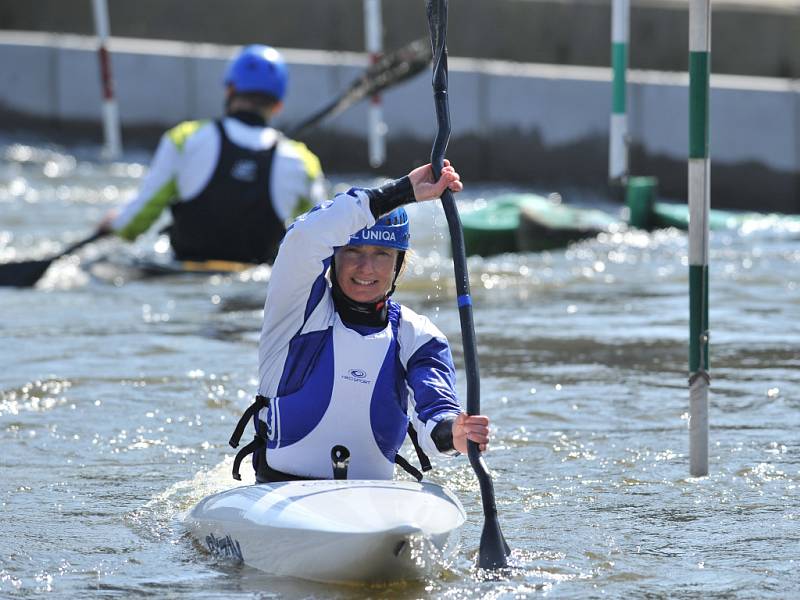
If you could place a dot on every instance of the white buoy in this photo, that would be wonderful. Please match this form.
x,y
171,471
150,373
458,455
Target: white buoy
x,y
111,125
376,127
618,138
699,205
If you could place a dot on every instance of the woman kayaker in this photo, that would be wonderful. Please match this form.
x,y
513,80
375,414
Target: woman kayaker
x,y
342,365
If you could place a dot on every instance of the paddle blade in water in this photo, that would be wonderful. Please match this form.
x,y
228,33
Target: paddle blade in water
x,y
493,549
23,274
27,273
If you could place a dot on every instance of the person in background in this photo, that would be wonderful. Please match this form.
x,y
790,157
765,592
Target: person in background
x,y
232,183
344,369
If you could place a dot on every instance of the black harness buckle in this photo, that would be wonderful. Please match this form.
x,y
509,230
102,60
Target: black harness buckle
x,y
340,457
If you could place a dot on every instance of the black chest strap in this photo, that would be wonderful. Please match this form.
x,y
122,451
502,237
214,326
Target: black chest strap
x,y
259,403
424,461
408,467
258,441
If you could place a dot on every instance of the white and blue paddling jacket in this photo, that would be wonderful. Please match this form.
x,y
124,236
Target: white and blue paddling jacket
x,y
329,384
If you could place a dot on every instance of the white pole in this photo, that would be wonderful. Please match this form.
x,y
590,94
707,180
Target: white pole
x,y
111,125
376,127
618,138
699,205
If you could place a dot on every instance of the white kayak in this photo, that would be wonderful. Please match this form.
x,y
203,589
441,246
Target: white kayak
x,y
332,530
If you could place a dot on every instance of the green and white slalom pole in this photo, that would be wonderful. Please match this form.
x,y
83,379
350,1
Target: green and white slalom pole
x,y
618,138
699,204
639,192
111,126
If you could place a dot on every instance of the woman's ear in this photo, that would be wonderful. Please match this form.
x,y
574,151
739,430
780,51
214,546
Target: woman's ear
x,y
400,265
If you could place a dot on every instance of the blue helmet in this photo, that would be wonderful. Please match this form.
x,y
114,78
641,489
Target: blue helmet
x,y
391,230
260,69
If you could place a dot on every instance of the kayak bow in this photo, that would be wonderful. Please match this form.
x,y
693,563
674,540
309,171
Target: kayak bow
x,y
332,530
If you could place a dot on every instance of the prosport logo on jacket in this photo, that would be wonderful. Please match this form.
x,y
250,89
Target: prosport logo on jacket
x,y
356,375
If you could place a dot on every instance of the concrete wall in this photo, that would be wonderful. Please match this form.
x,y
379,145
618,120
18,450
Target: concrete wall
x,y
540,124
760,37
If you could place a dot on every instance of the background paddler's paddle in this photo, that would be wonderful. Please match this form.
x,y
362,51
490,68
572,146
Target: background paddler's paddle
x,y
390,69
27,273
493,548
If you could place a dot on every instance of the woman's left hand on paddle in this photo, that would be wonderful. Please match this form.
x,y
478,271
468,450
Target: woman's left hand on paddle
x,y
426,187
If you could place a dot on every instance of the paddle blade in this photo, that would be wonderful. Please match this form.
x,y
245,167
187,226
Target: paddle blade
x,y
395,67
390,70
493,549
23,274
27,273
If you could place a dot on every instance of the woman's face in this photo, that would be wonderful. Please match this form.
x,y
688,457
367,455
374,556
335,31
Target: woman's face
x,y
365,273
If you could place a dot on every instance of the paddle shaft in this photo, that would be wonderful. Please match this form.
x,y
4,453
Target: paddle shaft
x,y
80,244
493,549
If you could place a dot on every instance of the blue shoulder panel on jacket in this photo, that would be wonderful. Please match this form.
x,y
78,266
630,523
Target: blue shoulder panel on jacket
x,y
431,375
317,290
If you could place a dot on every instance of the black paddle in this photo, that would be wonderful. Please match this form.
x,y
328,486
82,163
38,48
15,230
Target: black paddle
x,y
390,69
493,548
27,273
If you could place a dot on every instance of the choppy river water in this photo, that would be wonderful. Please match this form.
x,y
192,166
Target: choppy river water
x,y
117,398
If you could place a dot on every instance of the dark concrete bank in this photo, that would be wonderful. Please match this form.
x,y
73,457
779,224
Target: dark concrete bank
x,y
533,108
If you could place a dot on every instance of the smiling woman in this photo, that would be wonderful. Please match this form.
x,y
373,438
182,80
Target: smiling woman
x,y
341,363
366,269
364,273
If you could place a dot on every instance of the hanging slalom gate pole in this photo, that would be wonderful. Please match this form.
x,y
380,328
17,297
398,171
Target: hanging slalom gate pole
x,y
376,126
618,140
699,205
111,126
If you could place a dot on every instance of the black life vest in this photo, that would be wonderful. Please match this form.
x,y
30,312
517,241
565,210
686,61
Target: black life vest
x,y
233,217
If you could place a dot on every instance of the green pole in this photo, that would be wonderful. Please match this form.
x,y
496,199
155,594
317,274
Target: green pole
x,y
699,204
640,197
618,132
